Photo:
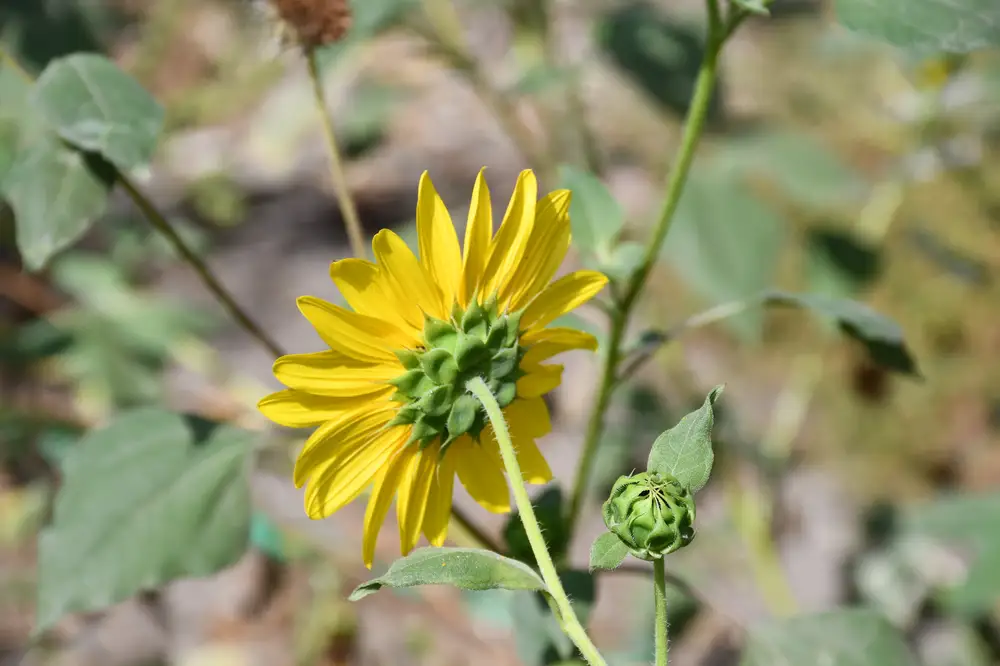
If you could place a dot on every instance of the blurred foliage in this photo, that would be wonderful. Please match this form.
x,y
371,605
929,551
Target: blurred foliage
x,y
152,495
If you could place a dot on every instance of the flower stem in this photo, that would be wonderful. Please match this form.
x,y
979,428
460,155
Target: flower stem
x,y
345,202
694,123
660,598
567,618
208,278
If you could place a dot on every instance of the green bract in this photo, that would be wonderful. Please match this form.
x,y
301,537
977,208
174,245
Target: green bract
x,y
653,514
479,342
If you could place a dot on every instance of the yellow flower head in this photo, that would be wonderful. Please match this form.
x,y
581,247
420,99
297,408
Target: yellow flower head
x,y
389,397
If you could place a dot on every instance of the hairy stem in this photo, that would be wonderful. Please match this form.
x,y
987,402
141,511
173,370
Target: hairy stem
x,y
567,618
694,123
660,599
345,202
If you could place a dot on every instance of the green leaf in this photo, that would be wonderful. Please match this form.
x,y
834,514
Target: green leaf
x,y
607,552
97,107
958,541
801,167
660,55
839,263
882,337
594,214
846,637
685,451
56,193
725,242
465,568
926,26
148,499
549,512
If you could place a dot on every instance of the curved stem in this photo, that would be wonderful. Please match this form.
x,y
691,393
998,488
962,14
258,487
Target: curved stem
x,y
660,599
345,202
694,123
567,618
208,278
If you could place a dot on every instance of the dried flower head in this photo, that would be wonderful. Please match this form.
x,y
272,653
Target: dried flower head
x,y
314,23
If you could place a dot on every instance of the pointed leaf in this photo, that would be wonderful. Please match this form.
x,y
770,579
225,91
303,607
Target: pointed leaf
x,y
150,498
96,106
465,568
607,552
882,337
685,451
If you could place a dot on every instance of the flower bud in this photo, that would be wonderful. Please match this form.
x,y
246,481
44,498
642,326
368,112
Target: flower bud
x,y
653,514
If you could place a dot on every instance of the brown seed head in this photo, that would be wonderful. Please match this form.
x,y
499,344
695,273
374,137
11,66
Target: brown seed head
x,y
315,23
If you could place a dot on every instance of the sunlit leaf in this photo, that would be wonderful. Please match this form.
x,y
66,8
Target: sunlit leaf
x,y
927,26
607,552
685,451
150,498
56,193
465,568
90,102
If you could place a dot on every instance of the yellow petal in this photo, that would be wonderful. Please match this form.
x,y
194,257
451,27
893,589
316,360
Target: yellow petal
x,y
481,475
383,490
547,247
565,294
478,231
539,380
414,490
411,284
548,342
334,374
298,409
527,420
365,338
437,240
341,480
345,435
364,287
512,237
439,502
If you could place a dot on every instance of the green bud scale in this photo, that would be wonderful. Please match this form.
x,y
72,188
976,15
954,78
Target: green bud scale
x,y
653,514
477,342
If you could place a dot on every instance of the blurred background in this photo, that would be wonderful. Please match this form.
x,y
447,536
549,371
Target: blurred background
x,y
830,164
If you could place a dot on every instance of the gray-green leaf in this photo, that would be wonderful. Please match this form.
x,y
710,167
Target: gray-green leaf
x,y
685,451
150,498
926,26
607,552
465,568
725,241
594,214
847,637
96,106
881,336
56,194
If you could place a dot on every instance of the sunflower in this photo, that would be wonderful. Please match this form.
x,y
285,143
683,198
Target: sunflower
x,y
388,397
